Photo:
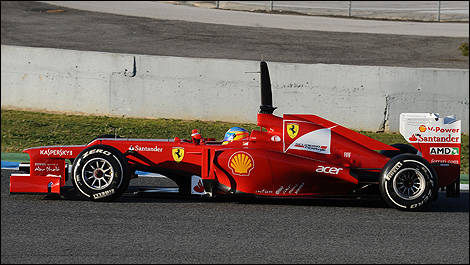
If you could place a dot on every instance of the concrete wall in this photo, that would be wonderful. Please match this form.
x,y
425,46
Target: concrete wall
x,y
359,97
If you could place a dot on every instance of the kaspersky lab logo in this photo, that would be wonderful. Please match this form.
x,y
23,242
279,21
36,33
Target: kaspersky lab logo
x,y
444,150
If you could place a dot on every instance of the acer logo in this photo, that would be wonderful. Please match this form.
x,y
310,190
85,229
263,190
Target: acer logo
x,y
328,170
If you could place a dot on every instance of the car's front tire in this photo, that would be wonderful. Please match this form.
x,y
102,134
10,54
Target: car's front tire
x,y
408,182
100,173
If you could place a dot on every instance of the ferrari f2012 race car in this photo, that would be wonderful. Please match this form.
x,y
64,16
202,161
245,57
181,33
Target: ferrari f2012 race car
x,y
300,156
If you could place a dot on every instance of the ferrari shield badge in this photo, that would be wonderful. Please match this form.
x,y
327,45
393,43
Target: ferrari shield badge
x,y
178,153
292,130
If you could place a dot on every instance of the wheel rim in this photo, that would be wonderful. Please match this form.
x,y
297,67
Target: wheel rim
x,y
97,173
409,183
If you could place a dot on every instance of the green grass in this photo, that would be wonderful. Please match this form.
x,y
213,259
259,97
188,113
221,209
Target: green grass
x,y
464,48
464,179
23,129
15,157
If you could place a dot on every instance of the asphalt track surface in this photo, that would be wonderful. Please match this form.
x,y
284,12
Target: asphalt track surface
x,y
29,24
156,229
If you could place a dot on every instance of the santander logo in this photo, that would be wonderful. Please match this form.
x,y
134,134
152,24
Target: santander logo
x,y
199,187
413,138
435,139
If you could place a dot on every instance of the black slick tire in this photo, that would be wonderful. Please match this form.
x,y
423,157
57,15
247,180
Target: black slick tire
x,y
408,182
100,173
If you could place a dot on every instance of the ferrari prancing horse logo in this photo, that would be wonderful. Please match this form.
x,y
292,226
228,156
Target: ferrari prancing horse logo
x,y
178,153
292,130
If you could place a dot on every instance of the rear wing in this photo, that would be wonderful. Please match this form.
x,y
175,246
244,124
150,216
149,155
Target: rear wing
x,y
438,139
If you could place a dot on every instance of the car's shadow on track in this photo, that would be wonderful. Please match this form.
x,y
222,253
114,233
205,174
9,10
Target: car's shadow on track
x,y
442,204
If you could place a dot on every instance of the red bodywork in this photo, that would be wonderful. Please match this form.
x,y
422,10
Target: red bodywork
x,y
272,162
292,156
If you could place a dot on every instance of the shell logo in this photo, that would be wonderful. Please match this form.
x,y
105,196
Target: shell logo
x,y
241,163
422,128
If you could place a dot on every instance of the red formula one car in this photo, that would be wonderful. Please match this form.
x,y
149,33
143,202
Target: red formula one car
x,y
302,156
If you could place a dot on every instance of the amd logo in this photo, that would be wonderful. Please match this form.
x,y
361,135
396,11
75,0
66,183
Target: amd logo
x,y
328,170
444,150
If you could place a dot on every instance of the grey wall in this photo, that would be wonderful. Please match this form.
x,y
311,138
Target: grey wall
x,y
358,97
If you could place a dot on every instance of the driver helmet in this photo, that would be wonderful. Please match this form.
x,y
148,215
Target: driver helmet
x,y
235,134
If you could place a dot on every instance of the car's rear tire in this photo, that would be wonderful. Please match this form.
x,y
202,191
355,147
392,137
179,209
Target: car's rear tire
x,y
408,182
100,173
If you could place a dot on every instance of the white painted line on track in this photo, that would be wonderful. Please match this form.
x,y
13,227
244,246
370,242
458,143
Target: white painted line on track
x,y
151,175
11,168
